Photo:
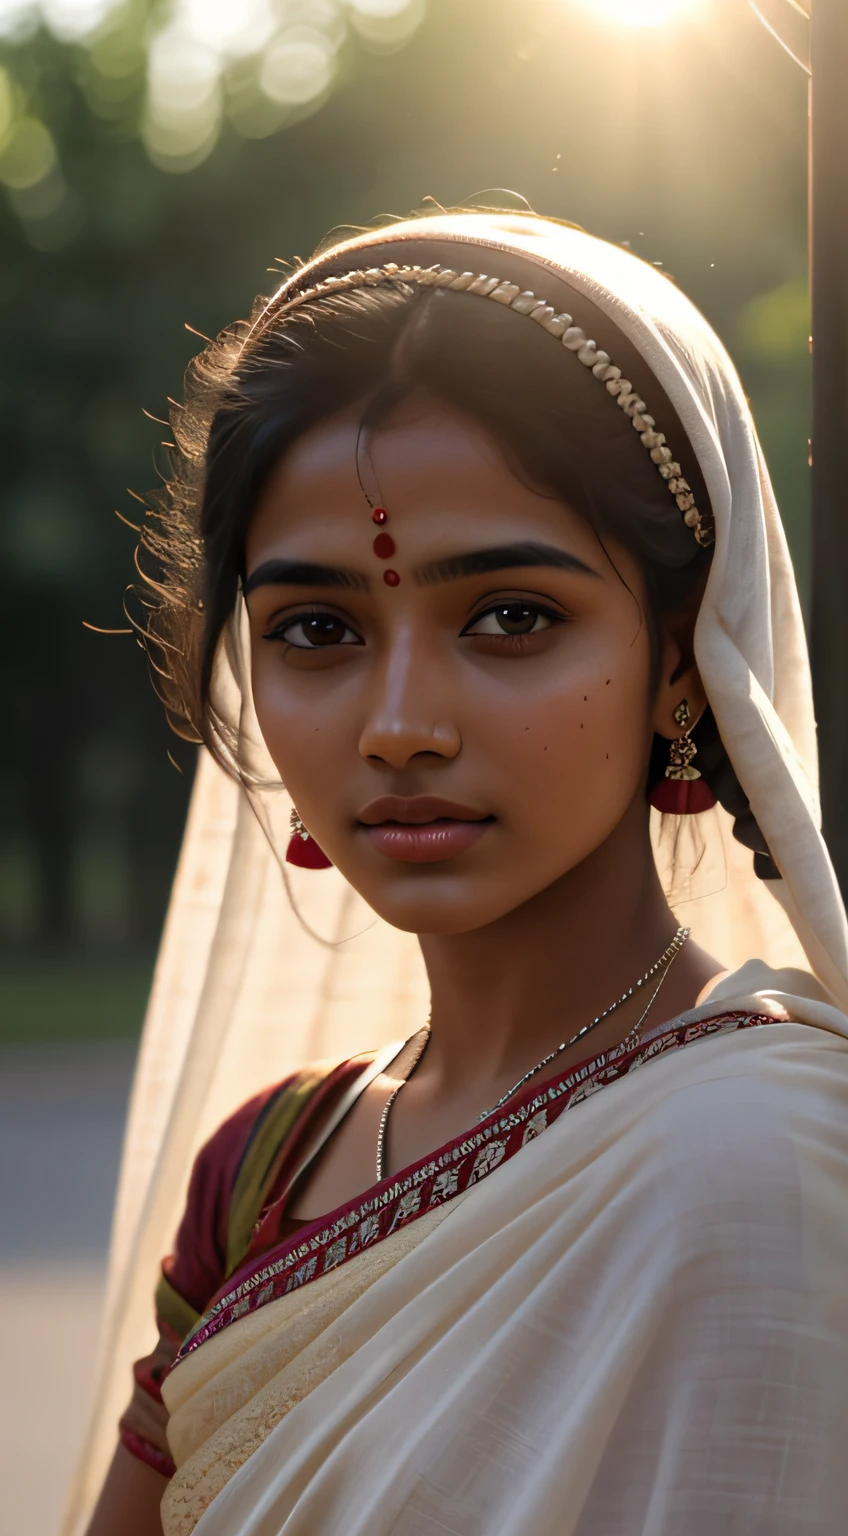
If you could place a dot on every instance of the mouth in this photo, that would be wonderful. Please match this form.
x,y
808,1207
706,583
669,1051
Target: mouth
x,y
422,829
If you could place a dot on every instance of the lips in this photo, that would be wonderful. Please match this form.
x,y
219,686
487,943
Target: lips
x,y
422,829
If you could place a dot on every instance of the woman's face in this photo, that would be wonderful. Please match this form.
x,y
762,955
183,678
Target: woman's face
x,y
458,741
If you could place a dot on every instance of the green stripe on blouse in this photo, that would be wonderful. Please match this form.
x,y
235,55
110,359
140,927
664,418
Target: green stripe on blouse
x,y
258,1165
174,1310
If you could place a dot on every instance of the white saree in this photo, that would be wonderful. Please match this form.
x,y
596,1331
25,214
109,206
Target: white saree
x,y
638,1326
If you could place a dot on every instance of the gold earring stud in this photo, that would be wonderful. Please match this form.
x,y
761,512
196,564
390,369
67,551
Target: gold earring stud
x,y
296,827
682,791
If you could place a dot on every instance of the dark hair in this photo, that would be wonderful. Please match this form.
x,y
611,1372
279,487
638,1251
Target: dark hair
x,y
252,394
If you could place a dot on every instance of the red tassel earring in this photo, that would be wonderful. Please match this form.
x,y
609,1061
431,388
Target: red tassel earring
x,y
303,849
683,792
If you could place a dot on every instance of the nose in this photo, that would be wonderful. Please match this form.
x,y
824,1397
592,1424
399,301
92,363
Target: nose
x,y
406,715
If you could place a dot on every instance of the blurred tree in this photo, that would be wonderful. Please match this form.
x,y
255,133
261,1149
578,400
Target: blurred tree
x,y
122,221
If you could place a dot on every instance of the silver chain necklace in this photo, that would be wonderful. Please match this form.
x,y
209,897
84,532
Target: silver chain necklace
x,y
384,1118
663,964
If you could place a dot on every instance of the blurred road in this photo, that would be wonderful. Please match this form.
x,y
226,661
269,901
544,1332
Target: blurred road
x,y
61,1123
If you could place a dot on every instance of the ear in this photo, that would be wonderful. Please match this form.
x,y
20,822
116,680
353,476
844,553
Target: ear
x,y
679,679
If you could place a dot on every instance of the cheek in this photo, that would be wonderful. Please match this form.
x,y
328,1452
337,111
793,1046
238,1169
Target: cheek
x,y
295,723
269,703
573,758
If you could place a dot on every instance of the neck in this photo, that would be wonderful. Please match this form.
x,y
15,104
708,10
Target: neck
x,y
506,994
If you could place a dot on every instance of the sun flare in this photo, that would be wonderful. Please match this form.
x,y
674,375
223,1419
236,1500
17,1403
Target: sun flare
x,y
640,13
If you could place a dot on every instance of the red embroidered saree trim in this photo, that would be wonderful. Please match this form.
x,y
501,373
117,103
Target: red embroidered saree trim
x,y
400,1199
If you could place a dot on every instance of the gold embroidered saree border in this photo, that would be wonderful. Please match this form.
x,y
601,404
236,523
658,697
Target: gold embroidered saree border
x,y
443,1175
229,1406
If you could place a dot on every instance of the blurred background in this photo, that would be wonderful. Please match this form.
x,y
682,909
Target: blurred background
x,y
156,157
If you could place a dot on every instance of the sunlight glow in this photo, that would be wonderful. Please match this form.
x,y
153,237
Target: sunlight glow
x,y
641,13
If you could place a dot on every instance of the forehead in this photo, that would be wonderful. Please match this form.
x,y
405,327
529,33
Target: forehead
x,y
440,475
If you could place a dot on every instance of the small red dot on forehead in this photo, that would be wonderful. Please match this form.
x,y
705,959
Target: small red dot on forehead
x,y
379,515
384,546
391,578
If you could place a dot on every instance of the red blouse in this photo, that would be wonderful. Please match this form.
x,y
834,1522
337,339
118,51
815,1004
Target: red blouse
x,y
243,1170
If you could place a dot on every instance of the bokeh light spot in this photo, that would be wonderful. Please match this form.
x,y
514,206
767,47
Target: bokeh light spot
x,y
28,154
7,103
297,67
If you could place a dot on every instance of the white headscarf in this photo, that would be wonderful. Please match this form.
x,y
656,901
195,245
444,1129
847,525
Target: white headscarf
x,y
243,995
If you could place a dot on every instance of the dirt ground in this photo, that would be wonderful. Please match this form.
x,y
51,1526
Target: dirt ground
x,y
61,1122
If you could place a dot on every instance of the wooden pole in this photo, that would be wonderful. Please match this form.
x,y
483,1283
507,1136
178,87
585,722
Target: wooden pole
x,y
829,280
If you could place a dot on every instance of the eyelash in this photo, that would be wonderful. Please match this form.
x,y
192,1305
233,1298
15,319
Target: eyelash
x,y
281,631
541,610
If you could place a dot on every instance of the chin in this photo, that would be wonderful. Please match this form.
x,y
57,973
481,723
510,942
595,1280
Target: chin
x,y
441,905
426,919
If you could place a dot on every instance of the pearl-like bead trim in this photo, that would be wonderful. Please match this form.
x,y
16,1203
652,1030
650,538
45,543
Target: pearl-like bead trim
x,y
562,326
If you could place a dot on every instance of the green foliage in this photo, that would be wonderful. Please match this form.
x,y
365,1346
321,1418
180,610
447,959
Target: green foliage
x,y
774,328
773,335
68,997
174,74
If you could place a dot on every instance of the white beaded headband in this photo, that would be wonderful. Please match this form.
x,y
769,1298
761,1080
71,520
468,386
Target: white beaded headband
x,y
560,325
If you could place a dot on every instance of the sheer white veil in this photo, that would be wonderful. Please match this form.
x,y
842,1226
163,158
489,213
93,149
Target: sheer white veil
x,y
244,993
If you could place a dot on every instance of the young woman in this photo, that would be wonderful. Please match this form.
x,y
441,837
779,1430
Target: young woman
x,y
469,545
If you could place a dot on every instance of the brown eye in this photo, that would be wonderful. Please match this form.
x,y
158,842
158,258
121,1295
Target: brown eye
x,y
514,618
323,629
314,631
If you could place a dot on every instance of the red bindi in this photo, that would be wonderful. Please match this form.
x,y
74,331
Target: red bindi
x,y
384,545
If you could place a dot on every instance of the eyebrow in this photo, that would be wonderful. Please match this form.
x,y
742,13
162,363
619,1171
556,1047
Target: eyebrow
x,y
304,573
480,562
